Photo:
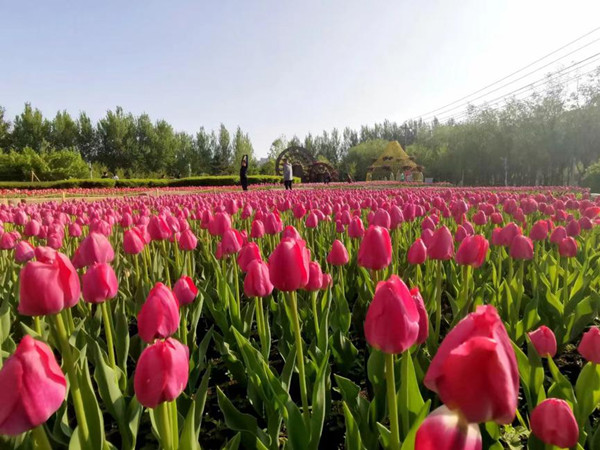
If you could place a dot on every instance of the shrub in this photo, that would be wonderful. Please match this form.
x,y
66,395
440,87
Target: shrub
x,y
591,178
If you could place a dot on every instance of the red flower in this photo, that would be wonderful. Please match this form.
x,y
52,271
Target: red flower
x,y
472,251
553,422
257,282
543,341
99,283
375,250
444,429
185,290
589,347
159,316
338,256
441,246
288,265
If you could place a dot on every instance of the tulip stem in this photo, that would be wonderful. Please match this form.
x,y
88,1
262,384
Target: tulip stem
x,y
565,292
41,438
166,262
314,295
164,420
293,305
390,381
109,335
72,371
236,284
174,423
38,325
438,300
260,324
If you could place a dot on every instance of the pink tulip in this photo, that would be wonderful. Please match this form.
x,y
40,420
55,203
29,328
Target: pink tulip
x,y
315,277
392,320
356,230
247,254
133,242
185,290
219,224
589,347
567,248
558,234
24,251
338,256
231,242
288,265
48,285
33,387
521,248
423,317
539,231
99,283
257,230
475,369
187,240
257,282
159,316
417,254
375,251
161,373
159,229
553,422
441,246
472,251
445,429
543,341
95,248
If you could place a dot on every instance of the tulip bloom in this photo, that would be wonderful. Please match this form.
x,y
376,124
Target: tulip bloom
x,y
99,283
475,369
589,347
417,254
133,242
161,373
558,234
257,230
375,251
356,229
568,247
423,317
95,248
392,320
315,277
288,265
247,254
444,429
472,251
441,246
257,282
291,232
24,251
48,285
185,290
33,387
543,341
159,315
539,231
553,422
159,228
231,242
338,256
187,240
521,248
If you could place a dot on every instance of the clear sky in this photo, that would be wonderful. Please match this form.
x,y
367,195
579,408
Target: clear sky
x,y
272,67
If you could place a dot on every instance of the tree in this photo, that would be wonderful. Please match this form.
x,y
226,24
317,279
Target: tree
x,y
117,137
241,147
4,130
86,138
202,161
30,129
63,131
222,157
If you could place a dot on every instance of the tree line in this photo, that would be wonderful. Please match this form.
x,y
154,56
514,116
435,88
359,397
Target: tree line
x,y
549,137
135,146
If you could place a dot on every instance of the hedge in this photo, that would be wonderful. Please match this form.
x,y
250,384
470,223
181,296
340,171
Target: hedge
x,y
102,183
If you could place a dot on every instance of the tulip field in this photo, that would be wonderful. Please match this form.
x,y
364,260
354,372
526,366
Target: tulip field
x,y
391,317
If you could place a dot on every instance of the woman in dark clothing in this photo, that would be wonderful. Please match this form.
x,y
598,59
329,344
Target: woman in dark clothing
x,y
243,173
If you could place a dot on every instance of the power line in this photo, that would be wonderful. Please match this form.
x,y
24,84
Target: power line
x,y
515,80
501,99
590,60
513,73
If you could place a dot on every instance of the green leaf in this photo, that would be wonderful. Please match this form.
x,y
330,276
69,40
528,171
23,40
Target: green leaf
x,y
410,401
587,390
352,439
409,441
238,421
93,414
318,404
384,435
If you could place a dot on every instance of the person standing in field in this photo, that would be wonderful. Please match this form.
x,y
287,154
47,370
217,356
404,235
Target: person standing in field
x,y
288,176
244,173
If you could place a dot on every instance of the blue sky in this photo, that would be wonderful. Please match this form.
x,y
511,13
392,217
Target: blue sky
x,y
272,67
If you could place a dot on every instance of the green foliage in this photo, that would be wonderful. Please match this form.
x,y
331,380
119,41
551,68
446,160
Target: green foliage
x,y
47,166
361,156
591,178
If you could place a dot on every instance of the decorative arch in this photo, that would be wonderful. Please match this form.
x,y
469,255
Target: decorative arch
x,y
301,161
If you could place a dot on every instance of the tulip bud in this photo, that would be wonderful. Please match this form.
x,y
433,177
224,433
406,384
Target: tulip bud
x,y
99,283
133,242
291,232
475,352
327,281
589,347
257,230
95,248
472,251
539,231
423,317
553,422
247,254
185,290
159,315
444,429
521,248
219,224
375,251
187,240
392,320
48,285
257,282
23,252
509,233
568,248
558,234
315,277
159,229
441,246
231,242
338,256
417,254
356,230
381,219
288,265
33,387
573,228
312,221
543,341
161,373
